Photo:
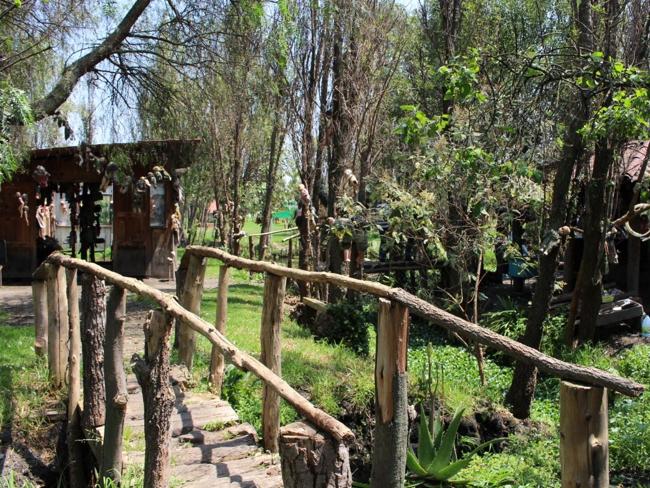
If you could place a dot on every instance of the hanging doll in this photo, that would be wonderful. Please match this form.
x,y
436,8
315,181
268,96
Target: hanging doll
x,y
176,224
23,208
43,220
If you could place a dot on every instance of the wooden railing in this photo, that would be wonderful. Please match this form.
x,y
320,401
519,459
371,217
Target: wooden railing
x,y
583,441
61,338
583,438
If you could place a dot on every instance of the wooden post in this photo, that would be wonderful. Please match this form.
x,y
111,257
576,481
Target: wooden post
x,y
290,254
93,326
191,300
272,309
584,455
39,295
310,458
74,433
153,376
57,341
115,378
391,381
217,360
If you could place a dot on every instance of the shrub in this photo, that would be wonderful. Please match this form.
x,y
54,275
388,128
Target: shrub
x,y
346,323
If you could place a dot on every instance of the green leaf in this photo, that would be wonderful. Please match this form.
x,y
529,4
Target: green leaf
x,y
443,455
489,259
413,464
426,451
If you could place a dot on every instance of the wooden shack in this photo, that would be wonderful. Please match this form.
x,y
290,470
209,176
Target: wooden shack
x,y
144,214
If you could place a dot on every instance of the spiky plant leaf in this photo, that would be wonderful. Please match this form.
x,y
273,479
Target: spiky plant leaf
x,y
426,449
443,454
413,464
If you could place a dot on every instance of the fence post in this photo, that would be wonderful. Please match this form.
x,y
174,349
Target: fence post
x,y
584,456
115,378
312,458
57,341
217,360
93,324
153,376
290,254
272,309
74,434
191,300
39,295
391,381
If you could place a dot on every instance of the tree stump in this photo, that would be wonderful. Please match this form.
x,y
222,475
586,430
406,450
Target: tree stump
x,y
153,376
584,454
310,458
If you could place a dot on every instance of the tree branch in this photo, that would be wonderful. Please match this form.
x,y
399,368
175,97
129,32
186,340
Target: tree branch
x,y
73,73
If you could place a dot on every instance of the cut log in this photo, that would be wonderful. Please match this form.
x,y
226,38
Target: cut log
x,y
116,393
57,304
153,376
74,433
272,311
191,300
312,459
391,401
39,295
93,327
583,436
217,360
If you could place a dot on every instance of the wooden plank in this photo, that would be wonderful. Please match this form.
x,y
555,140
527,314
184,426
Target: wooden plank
x,y
272,311
315,304
191,300
391,398
583,436
217,361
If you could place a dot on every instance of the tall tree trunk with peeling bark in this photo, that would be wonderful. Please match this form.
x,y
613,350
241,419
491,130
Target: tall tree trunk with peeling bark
x,y
524,380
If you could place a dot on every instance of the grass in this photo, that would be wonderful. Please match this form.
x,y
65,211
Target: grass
x,y
328,375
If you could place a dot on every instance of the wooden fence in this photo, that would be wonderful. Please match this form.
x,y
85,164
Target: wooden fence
x,y
583,439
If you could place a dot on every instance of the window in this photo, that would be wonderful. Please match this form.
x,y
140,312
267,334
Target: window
x,y
157,206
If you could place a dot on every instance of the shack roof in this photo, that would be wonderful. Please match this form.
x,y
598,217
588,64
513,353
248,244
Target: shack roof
x,y
632,161
175,152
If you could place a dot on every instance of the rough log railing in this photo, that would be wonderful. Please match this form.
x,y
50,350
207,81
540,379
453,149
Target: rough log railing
x,y
318,456
581,427
152,370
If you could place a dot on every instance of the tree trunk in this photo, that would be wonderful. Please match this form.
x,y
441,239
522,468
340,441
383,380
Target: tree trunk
x,y
391,381
270,356
312,459
115,379
153,376
524,379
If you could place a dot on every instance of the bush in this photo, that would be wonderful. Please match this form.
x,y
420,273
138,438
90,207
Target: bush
x,y
346,323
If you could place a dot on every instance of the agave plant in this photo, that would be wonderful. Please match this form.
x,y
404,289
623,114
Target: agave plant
x,y
435,460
